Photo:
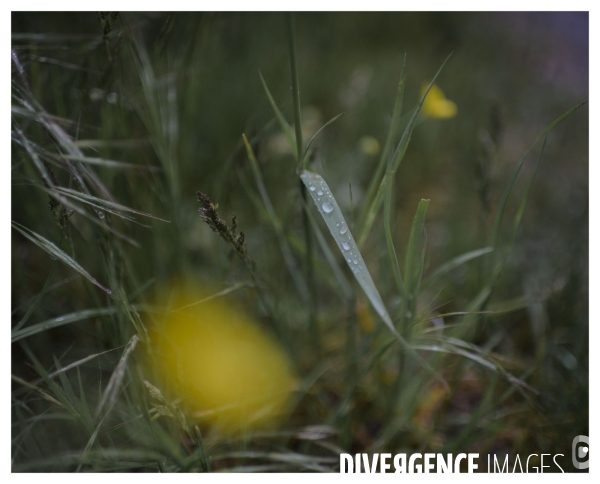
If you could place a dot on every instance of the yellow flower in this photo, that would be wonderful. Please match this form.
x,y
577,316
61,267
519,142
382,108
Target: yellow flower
x,y
436,105
369,145
222,366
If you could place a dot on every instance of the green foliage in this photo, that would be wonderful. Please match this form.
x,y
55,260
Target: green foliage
x,y
127,162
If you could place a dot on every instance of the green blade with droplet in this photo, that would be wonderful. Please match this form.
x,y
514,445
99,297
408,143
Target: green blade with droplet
x,y
325,202
333,217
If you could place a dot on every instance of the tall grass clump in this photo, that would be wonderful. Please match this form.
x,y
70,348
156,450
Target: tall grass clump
x,y
141,160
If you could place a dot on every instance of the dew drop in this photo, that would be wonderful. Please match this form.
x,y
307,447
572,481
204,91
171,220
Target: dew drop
x,y
345,245
343,230
355,261
320,192
312,188
327,207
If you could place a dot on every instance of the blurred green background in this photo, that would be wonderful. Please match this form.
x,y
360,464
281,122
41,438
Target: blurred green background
x,y
510,74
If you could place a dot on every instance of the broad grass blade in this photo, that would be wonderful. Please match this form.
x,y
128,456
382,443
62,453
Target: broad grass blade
x,y
333,217
339,275
327,205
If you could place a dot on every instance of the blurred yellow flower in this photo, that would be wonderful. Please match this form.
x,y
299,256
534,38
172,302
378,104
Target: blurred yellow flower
x,y
222,366
436,105
369,145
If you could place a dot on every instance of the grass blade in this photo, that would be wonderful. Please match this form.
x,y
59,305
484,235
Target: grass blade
x,y
387,216
486,292
411,266
371,211
502,209
110,163
57,395
222,293
36,301
334,219
327,205
314,136
112,388
285,127
60,321
31,385
521,209
106,204
288,256
339,275
387,225
295,84
56,253
310,270
454,263
100,222
387,147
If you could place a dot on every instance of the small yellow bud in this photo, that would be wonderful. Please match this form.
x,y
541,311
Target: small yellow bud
x,y
369,145
436,105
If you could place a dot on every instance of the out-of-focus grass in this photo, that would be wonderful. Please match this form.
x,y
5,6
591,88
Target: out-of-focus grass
x,y
119,120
